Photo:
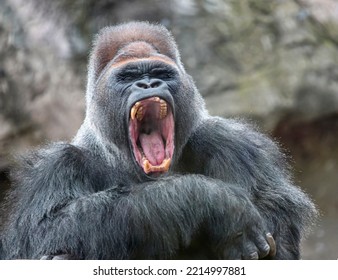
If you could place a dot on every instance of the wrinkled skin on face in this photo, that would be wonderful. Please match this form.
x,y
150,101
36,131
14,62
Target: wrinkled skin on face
x,y
149,93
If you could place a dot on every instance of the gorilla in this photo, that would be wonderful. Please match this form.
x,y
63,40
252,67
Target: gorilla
x,y
150,174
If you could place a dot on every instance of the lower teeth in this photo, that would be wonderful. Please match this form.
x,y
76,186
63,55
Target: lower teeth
x,y
147,167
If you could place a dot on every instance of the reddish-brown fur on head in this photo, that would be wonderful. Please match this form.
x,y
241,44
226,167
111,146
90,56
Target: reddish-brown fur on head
x,y
137,39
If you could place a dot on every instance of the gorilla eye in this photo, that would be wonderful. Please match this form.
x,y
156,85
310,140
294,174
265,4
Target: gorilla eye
x,y
163,73
127,75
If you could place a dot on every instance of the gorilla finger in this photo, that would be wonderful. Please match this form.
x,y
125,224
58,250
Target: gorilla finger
x,y
250,253
61,257
272,244
46,257
263,247
57,257
250,256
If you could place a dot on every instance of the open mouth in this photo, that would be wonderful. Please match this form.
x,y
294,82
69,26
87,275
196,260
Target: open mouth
x,y
151,130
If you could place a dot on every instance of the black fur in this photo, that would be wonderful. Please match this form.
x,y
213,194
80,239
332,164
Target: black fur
x,y
226,189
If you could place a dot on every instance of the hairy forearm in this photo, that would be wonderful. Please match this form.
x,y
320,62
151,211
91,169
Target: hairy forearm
x,y
152,219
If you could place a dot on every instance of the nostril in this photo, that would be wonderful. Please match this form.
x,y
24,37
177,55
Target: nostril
x,y
155,83
149,84
142,85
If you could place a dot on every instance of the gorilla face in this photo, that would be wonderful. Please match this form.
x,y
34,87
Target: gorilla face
x,y
143,101
148,85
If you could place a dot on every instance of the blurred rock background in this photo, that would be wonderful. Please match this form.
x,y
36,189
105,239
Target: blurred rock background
x,y
272,62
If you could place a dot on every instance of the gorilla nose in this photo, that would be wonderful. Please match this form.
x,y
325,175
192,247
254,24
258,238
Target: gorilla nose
x,y
146,88
150,84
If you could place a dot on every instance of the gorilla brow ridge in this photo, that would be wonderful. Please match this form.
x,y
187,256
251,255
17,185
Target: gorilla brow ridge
x,y
111,39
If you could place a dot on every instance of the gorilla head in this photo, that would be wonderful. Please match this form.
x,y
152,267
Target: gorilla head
x,y
141,88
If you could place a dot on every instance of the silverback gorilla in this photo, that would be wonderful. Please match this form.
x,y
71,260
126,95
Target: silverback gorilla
x,y
150,174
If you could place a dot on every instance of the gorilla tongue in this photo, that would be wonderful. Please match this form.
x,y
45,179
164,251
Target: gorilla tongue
x,y
153,147
151,131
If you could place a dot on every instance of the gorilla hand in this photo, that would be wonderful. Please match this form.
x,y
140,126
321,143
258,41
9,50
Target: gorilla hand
x,y
247,234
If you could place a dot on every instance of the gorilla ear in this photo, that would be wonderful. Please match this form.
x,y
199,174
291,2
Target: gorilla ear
x,y
111,39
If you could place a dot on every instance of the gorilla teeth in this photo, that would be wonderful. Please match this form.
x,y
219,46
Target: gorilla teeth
x,y
163,109
166,164
139,114
148,167
135,109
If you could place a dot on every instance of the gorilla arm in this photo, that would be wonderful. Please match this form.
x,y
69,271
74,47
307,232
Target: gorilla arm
x,y
61,214
238,155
